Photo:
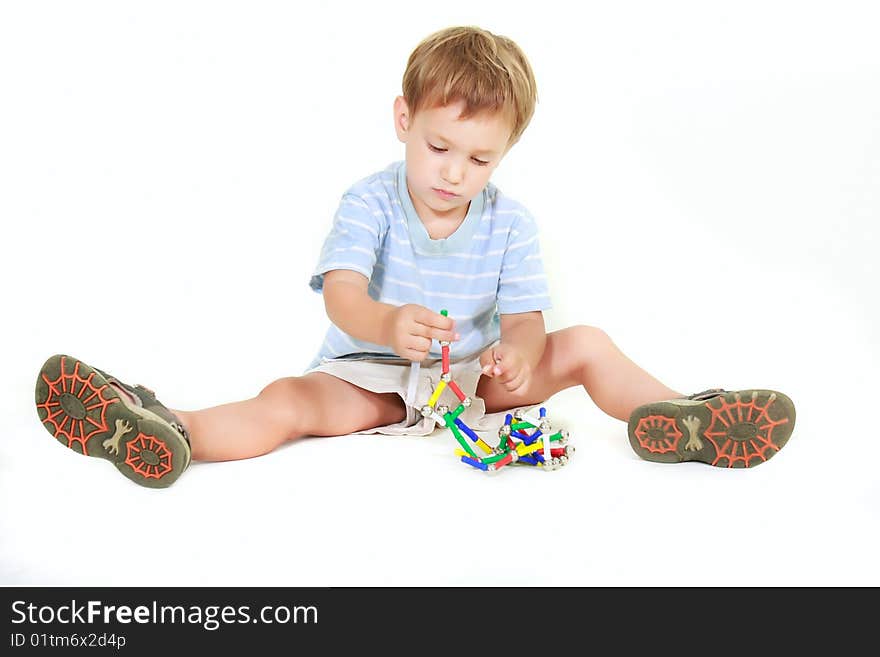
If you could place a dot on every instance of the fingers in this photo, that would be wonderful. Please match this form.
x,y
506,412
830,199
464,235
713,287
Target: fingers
x,y
512,381
433,320
423,322
418,344
516,382
443,336
413,355
488,362
508,370
505,374
434,333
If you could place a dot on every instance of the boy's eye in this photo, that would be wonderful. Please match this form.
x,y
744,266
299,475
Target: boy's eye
x,y
437,149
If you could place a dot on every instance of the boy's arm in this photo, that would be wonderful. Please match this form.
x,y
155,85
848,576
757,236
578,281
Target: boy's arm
x,y
522,344
525,333
408,329
353,310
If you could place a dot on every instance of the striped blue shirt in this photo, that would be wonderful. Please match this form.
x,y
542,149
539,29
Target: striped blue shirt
x,y
491,265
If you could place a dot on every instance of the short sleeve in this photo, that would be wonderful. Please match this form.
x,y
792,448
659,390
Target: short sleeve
x,y
522,285
353,242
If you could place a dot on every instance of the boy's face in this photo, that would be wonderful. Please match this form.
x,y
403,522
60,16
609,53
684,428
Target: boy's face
x,y
449,160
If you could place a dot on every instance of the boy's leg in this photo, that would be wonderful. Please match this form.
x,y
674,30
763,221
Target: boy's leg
x,y
734,429
585,356
95,414
316,404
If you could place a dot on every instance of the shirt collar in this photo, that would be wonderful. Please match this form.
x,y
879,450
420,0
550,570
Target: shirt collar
x,y
459,240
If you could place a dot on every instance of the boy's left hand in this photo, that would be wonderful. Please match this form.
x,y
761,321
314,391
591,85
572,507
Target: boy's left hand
x,y
504,363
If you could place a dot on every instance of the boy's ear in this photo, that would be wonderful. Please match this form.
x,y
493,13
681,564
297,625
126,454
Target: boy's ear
x,y
401,118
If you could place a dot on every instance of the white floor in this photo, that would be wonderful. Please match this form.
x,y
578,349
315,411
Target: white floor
x,y
372,510
720,223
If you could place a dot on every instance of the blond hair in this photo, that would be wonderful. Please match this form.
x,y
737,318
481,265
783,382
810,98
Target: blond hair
x,y
490,73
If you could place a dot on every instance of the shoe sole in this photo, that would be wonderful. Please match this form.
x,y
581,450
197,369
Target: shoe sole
x,y
738,429
84,412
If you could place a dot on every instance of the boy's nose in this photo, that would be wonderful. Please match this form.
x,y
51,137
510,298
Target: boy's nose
x,y
452,174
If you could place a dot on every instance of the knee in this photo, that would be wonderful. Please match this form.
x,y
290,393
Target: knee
x,y
592,336
279,389
280,402
590,342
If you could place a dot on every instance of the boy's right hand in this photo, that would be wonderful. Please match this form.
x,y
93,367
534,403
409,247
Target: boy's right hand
x,y
412,328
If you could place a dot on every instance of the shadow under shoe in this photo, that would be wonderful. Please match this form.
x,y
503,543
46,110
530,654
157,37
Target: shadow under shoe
x,y
82,407
730,429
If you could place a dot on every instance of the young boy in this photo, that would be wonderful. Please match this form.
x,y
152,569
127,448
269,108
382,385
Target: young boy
x,y
426,233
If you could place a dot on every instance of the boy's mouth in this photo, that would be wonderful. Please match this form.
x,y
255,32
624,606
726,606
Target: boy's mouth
x,y
443,193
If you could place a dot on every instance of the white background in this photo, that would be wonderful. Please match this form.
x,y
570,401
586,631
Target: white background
x,y
706,180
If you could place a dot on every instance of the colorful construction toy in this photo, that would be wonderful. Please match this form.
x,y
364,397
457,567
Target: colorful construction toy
x,y
523,438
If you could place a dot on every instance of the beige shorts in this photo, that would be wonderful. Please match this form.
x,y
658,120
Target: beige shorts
x,y
415,387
